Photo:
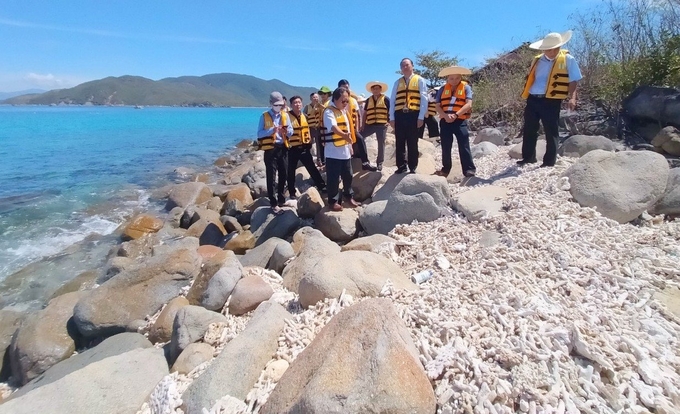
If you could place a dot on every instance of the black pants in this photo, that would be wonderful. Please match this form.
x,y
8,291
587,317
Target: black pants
x,y
406,136
318,140
335,169
547,111
432,127
359,148
276,160
459,128
302,153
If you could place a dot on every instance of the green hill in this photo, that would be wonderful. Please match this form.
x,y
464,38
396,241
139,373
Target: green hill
x,y
219,89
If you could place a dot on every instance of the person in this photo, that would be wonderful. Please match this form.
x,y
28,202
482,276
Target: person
x,y
454,105
377,117
339,137
300,147
272,137
285,108
325,97
430,120
553,77
407,115
360,150
313,112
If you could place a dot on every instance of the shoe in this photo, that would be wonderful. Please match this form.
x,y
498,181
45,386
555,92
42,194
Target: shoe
x,y
469,173
293,196
368,167
379,166
547,165
524,162
336,207
322,189
441,173
401,169
277,210
412,172
352,202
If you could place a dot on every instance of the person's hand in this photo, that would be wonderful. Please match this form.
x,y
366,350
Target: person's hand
x,y
391,123
450,118
572,104
421,123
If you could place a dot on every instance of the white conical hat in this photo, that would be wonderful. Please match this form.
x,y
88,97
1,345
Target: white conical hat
x,y
551,41
454,70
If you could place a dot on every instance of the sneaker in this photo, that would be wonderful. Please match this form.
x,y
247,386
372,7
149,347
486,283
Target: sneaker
x,y
401,169
336,207
368,167
352,202
547,165
379,166
412,172
525,162
469,173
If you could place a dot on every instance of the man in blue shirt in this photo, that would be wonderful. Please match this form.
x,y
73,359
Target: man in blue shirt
x,y
553,77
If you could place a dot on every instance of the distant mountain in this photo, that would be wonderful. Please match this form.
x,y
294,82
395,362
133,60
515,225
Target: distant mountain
x,y
7,95
220,89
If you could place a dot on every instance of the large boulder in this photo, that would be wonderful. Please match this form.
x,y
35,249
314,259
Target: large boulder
x,y
241,242
310,246
265,224
485,201
669,203
261,255
254,177
132,295
248,293
310,203
413,184
191,323
483,149
427,165
668,141
651,105
161,330
221,284
516,151
579,145
194,355
209,267
236,369
359,273
363,184
44,338
339,226
183,195
620,185
9,323
362,361
141,225
376,243
491,135
240,192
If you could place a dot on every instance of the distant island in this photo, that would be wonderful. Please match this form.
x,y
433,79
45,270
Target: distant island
x,y
214,90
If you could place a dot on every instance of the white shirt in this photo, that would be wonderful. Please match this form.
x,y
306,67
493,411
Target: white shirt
x,y
330,150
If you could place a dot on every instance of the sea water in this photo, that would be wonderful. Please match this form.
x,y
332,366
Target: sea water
x,y
69,173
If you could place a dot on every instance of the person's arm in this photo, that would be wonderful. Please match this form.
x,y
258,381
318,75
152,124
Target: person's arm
x,y
572,95
387,104
442,115
393,98
574,77
261,131
468,102
289,127
422,87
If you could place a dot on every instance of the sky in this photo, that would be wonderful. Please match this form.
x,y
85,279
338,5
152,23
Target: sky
x,y
59,44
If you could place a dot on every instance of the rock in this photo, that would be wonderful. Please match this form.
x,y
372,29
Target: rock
x,y
208,269
275,369
208,251
183,195
9,323
280,256
362,361
653,104
426,148
426,165
259,188
579,145
189,326
261,255
489,239
118,384
230,224
255,174
483,149
134,249
363,184
83,281
232,208
670,298
668,140
241,242
142,225
486,201
161,331
44,338
281,225
516,151
194,355
669,203
620,185
184,172
310,203
134,294
311,246
221,284
376,243
220,190
382,216
249,292
491,135
240,192
236,369
359,273
339,226
201,177
213,234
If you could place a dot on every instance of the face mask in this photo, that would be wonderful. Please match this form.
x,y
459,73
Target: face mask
x,y
276,109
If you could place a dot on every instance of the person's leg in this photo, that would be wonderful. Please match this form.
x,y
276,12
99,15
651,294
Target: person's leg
x,y
333,180
432,127
530,130
550,117
460,130
400,128
316,140
293,157
308,162
447,146
380,135
421,130
282,168
346,174
270,171
412,141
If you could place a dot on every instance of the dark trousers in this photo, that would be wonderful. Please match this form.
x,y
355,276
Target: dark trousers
x,y
459,128
276,160
380,132
302,153
432,127
317,139
547,111
359,148
406,137
335,169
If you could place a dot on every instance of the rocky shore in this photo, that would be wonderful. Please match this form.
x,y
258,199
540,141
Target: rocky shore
x,y
553,290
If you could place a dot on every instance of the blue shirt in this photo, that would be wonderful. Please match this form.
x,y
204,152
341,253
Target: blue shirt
x,y
276,117
422,87
543,67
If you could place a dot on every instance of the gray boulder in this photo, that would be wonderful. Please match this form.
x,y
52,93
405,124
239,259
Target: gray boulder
x,y
280,256
9,323
311,246
339,226
265,224
249,292
669,203
652,106
364,183
261,255
491,135
579,145
183,195
310,203
194,355
376,243
668,141
516,151
189,326
219,287
483,149
161,331
486,201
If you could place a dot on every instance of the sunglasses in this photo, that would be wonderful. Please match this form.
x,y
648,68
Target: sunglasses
x,y
345,101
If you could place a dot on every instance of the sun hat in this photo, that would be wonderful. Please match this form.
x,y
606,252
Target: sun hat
x,y
551,41
454,70
325,89
383,86
275,98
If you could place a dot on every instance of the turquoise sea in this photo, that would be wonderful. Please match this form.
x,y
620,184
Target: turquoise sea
x,y
70,175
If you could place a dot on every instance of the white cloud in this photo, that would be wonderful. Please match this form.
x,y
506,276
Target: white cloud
x,y
49,81
358,46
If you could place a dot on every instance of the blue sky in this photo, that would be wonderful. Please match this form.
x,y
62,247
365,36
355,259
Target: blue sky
x,y
56,44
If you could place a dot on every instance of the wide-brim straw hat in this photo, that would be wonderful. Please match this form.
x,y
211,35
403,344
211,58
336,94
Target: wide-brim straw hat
x,y
551,41
454,70
383,86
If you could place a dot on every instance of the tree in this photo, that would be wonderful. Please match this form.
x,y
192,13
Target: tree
x,y
429,64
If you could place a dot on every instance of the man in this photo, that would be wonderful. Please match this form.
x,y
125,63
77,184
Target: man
x,y
272,137
454,105
360,150
300,147
377,117
313,112
325,97
407,115
553,77
339,137
430,120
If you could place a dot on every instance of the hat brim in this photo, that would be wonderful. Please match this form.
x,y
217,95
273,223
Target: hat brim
x,y
454,70
541,45
383,86
280,102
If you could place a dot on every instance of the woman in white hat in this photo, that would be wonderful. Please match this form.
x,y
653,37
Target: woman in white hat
x,y
553,77
377,117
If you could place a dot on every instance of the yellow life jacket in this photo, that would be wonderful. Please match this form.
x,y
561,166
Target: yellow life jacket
x,y
431,109
267,143
301,134
345,125
558,80
452,101
376,111
313,114
408,96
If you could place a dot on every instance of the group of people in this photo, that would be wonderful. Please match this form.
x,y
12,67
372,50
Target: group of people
x,y
335,122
